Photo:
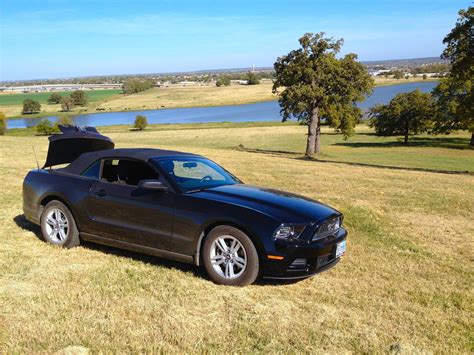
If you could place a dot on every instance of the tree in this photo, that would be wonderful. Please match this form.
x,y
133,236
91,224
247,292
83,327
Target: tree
x,y
31,106
397,74
133,86
252,79
407,113
67,103
454,93
45,127
79,98
54,98
223,80
140,122
3,124
316,84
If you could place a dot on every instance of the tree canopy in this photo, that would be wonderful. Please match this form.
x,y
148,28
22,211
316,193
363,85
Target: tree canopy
x,y
133,86
54,98
79,98
252,78
31,106
316,84
140,122
406,114
454,93
67,103
223,80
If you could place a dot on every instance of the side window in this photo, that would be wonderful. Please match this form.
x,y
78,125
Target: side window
x,y
126,172
93,171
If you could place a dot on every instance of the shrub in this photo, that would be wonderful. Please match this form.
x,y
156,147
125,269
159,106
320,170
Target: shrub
x,y
3,124
54,98
45,127
223,81
140,122
252,79
31,106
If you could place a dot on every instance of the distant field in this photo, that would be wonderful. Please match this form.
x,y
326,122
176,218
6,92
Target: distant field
x,y
42,97
404,286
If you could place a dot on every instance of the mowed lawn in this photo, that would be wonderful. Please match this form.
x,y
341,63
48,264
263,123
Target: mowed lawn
x,y
405,283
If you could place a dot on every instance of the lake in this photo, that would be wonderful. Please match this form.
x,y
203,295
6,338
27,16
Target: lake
x,y
263,111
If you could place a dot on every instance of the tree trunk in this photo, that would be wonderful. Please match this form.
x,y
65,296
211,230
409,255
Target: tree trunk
x,y
313,144
472,139
406,132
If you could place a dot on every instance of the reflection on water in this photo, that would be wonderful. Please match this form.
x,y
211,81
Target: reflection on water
x,y
264,111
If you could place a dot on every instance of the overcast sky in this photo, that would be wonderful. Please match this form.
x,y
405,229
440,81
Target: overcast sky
x,y
58,38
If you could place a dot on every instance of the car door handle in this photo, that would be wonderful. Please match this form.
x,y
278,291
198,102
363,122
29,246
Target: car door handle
x,y
101,193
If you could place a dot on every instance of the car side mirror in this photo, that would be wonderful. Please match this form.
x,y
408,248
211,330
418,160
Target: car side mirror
x,y
152,184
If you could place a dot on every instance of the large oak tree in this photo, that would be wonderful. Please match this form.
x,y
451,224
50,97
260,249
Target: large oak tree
x,y
454,93
316,84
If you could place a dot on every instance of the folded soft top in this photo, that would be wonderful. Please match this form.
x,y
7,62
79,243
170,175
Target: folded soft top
x,y
74,141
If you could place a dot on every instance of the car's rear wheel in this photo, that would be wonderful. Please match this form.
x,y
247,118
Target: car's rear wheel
x,y
230,257
58,225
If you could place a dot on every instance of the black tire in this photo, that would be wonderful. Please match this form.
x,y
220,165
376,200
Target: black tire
x,y
248,274
70,236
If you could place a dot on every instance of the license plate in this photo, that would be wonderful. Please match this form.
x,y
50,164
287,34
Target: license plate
x,y
340,249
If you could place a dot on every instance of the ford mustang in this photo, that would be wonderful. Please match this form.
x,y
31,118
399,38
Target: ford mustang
x,y
179,206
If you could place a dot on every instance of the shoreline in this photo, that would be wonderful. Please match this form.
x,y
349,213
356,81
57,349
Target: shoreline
x,y
250,102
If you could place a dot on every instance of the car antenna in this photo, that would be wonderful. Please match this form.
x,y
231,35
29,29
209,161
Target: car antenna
x,y
34,152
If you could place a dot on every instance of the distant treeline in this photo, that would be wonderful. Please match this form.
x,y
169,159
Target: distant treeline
x,y
132,86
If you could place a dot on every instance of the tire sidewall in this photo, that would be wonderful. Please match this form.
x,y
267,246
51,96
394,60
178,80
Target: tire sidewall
x,y
253,267
72,237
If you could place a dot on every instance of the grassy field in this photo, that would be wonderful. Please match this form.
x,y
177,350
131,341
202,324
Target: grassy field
x,y
405,285
11,104
169,97
449,153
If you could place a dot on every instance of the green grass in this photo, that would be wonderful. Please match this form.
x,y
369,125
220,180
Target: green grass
x,y
405,284
42,97
449,153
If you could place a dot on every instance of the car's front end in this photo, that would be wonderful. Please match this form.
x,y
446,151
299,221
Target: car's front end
x,y
302,250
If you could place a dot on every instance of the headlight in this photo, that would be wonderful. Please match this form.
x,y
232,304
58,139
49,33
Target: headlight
x,y
327,228
288,231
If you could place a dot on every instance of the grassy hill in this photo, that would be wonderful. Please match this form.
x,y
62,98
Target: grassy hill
x,y
404,285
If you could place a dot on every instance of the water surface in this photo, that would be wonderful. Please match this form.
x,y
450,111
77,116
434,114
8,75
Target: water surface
x,y
263,111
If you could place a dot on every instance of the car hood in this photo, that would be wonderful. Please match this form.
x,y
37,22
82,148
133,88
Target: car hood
x,y
284,206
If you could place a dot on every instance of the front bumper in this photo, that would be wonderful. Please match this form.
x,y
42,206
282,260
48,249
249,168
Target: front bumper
x,y
304,260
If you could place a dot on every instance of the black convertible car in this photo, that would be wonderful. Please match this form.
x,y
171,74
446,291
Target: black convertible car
x,y
179,206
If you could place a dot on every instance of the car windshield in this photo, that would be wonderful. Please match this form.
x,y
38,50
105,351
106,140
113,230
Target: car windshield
x,y
194,173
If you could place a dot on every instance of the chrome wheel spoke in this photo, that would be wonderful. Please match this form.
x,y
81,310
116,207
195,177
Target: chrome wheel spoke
x,y
240,262
222,245
228,257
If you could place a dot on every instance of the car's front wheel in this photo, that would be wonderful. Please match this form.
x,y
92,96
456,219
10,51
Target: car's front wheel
x,y
58,225
230,257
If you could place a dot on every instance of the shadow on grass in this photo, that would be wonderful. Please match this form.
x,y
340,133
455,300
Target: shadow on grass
x,y
23,223
424,142
299,156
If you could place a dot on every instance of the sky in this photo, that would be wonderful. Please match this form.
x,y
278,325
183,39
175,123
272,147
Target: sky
x,y
58,38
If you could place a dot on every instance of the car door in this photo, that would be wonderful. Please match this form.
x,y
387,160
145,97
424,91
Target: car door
x,y
120,210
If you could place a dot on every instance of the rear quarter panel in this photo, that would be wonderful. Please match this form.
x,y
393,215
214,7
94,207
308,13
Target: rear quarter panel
x,y
41,186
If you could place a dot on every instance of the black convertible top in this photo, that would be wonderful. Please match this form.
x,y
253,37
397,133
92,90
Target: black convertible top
x,y
85,160
82,146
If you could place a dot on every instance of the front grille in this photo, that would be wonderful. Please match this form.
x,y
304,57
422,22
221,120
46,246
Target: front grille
x,y
298,265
